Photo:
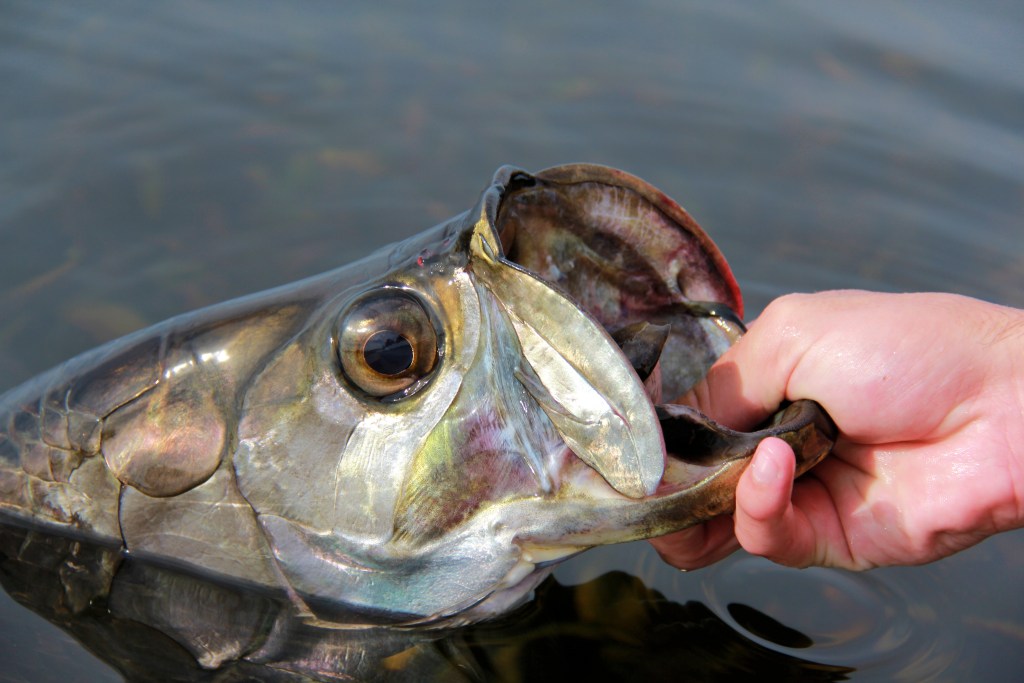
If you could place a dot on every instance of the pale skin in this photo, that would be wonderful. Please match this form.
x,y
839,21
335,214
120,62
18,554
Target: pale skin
x,y
928,393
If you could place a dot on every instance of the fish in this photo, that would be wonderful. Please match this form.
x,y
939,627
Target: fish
x,y
417,438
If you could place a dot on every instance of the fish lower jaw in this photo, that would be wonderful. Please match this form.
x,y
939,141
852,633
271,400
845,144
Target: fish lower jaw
x,y
680,475
576,478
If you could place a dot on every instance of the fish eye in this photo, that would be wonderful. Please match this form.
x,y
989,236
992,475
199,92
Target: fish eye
x,y
387,344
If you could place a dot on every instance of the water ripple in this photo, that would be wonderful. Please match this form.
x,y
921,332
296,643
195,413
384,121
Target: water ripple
x,y
869,622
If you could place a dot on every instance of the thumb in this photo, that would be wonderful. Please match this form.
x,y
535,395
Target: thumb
x,y
766,522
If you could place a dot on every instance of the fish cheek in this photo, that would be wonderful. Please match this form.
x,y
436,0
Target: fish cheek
x,y
462,467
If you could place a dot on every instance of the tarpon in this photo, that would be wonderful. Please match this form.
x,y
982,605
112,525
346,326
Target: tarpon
x,y
417,437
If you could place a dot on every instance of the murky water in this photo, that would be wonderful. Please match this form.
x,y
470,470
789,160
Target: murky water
x,y
156,159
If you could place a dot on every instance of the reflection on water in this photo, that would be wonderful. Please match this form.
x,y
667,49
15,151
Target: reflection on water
x,y
158,158
152,623
957,619
155,624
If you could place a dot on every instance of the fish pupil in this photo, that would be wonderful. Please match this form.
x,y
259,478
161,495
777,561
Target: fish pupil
x,y
388,352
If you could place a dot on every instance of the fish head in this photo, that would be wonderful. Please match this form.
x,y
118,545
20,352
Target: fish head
x,y
448,431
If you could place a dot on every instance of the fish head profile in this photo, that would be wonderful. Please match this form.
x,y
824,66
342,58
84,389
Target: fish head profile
x,y
418,437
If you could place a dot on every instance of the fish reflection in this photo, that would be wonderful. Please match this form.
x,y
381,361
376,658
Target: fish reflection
x,y
153,622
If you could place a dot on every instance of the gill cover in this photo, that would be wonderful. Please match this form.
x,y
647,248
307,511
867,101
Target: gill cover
x,y
576,373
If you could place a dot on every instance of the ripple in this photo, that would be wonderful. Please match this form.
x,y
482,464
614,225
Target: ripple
x,y
866,621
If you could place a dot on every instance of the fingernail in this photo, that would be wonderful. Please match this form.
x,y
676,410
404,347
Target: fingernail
x,y
766,471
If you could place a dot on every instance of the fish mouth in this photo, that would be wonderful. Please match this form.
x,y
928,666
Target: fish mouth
x,y
699,449
600,269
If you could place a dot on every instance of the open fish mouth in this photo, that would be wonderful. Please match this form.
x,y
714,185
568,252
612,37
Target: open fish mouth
x,y
623,281
697,446
702,458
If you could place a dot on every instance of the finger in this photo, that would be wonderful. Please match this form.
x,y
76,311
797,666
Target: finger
x,y
766,523
751,379
764,490
698,546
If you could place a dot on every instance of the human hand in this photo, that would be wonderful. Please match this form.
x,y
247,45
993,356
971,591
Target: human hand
x,y
928,393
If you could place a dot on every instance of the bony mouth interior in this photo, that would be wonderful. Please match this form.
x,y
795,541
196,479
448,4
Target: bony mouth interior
x,y
698,446
620,255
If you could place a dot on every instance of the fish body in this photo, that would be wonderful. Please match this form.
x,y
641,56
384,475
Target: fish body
x,y
417,437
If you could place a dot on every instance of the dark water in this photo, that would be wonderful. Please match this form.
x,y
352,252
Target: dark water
x,y
156,159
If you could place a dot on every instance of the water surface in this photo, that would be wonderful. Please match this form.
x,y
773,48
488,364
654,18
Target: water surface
x,y
154,159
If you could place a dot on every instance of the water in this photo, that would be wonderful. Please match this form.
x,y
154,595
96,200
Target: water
x,y
154,159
